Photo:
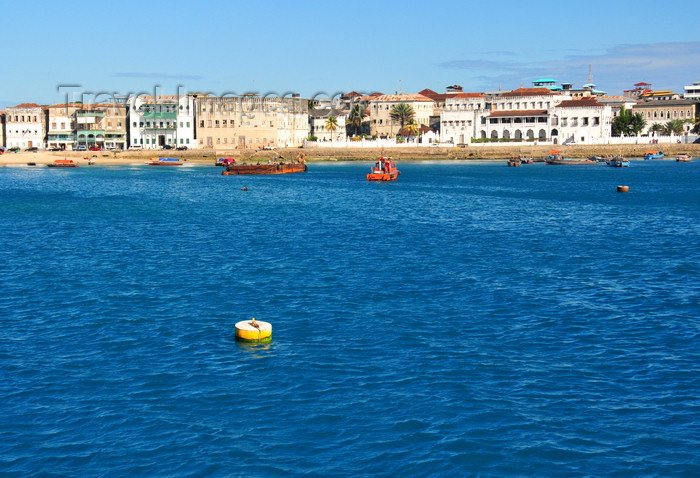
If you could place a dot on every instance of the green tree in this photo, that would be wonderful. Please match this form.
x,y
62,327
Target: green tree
x,y
411,128
657,128
696,128
403,113
627,123
674,127
331,124
355,118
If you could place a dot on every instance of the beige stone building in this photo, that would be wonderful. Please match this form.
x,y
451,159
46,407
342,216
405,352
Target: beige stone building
x,y
380,107
251,121
663,111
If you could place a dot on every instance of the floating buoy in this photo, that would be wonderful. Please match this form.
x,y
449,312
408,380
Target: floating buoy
x,y
253,331
244,188
623,189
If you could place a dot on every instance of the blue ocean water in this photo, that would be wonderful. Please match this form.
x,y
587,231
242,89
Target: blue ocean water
x,y
469,319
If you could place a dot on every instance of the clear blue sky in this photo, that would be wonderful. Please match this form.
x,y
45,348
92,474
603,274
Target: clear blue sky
x,y
280,46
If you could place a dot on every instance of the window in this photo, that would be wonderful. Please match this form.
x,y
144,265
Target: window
x,y
188,124
201,124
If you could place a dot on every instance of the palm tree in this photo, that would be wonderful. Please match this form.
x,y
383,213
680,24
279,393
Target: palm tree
x,y
403,113
331,125
674,127
656,128
356,117
411,128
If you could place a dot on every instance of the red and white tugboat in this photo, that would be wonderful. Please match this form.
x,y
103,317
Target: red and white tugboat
x,y
383,170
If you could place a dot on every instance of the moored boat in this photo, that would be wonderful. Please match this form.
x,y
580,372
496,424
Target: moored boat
x,y
558,159
618,162
383,170
269,168
224,162
654,154
63,163
514,162
163,162
684,158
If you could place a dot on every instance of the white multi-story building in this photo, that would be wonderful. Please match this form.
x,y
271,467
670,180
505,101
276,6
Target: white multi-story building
x,y
581,120
156,121
318,123
692,92
26,126
521,115
459,117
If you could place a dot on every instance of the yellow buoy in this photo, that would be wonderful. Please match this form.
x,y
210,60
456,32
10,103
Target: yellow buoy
x,y
253,330
623,189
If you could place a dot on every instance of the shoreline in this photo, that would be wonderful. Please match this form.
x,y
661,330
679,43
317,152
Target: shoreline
x,y
476,153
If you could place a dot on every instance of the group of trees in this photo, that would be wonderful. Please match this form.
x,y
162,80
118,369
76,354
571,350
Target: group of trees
x,y
402,113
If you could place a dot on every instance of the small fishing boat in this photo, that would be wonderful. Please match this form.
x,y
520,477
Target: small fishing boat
x,y
164,162
514,162
63,163
654,154
558,159
684,158
618,162
383,170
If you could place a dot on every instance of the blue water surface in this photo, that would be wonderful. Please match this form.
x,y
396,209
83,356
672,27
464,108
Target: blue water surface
x,y
469,319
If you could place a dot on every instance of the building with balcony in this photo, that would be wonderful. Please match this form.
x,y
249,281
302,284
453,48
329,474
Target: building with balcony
x,y
26,126
251,121
157,121
521,115
692,92
61,131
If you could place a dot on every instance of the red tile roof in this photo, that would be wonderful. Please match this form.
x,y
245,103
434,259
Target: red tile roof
x,y
28,105
586,101
469,95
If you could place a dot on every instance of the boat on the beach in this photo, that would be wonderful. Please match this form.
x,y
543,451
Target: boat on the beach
x,y
654,154
63,163
558,159
383,170
618,162
164,162
684,158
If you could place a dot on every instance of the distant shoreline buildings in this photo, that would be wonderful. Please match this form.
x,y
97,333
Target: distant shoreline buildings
x,y
547,112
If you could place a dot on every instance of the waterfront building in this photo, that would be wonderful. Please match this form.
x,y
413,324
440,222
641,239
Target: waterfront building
x,y
26,126
2,128
581,120
318,122
663,111
157,121
692,92
458,118
380,108
251,121
521,115
61,130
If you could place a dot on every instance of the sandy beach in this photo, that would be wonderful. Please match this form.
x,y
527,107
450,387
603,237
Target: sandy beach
x,y
346,154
